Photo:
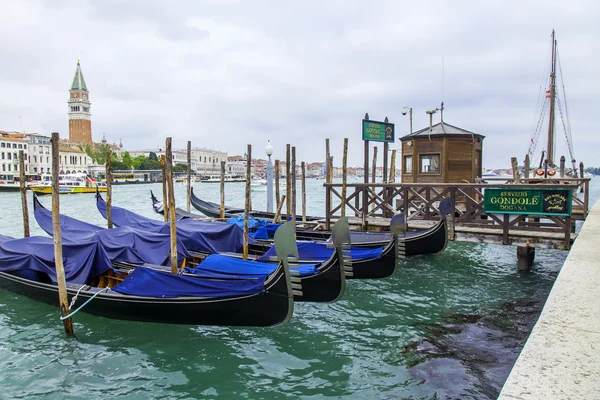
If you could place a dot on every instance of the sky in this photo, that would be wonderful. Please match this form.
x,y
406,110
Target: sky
x,y
224,74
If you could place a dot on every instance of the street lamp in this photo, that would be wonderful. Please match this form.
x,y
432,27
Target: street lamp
x,y
269,151
409,111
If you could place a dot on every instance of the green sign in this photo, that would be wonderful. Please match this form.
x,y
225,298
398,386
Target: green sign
x,y
549,202
378,131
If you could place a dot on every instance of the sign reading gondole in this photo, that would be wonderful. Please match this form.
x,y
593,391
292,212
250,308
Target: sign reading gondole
x,y
549,202
378,131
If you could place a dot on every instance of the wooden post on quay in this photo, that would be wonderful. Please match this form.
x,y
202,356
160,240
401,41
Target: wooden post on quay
x,y
23,188
515,169
164,188
189,175
303,167
294,186
58,257
108,175
365,196
525,257
386,146
172,218
288,182
247,206
279,206
581,175
327,155
527,166
222,208
374,173
562,167
392,178
344,177
328,190
276,173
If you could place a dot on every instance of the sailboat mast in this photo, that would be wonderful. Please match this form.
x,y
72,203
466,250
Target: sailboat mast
x,y
550,152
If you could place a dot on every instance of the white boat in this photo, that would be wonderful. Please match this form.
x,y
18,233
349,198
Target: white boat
x,y
71,183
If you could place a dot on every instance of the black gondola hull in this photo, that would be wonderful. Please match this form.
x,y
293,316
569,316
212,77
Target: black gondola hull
x,y
270,308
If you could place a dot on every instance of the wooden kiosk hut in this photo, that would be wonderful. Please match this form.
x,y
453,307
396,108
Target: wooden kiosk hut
x,y
441,153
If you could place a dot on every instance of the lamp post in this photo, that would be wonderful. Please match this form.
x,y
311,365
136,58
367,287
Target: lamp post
x,y
409,111
269,151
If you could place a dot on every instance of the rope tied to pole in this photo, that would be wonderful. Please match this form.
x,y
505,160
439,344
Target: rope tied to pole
x,y
62,318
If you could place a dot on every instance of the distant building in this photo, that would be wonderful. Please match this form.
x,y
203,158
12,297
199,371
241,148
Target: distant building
x,y
80,116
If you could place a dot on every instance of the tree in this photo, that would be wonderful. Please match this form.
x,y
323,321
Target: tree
x,y
150,164
152,156
118,166
136,162
127,160
180,168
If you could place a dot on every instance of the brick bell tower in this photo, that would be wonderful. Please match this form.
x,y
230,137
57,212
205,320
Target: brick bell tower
x,y
80,117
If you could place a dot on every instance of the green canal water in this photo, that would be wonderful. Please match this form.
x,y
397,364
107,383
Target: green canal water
x,y
353,348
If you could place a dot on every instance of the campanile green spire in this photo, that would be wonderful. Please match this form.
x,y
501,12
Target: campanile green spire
x,y
78,82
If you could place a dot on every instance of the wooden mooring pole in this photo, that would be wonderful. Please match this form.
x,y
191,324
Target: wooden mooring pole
x,y
303,167
108,176
172,218
374,172
527,166
189,175
279,207
294,186
288,182
525,257
365,193
58,257
247,205
23,189
277,173
344,177
164,189
222,208
392,178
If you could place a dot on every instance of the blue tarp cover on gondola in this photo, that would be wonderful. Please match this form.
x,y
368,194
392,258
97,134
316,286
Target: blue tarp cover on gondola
x,y
320,252
5,238
122,244
147,282
81,261
217,265
259,228
210,237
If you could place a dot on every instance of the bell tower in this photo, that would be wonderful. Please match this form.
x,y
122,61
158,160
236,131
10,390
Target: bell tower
x,y
80,117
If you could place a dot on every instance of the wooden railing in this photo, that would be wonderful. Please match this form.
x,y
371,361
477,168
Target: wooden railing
x,y
419,201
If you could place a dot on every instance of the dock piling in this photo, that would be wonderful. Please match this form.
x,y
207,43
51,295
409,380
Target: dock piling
x,y
222,207
172,217
109,191
303,167
58,254
23,189
247,205
525,257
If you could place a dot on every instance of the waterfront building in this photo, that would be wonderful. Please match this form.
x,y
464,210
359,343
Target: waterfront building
x,y
10,144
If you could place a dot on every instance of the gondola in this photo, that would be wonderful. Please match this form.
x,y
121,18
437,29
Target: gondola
x,y
411,243
316,282
145,293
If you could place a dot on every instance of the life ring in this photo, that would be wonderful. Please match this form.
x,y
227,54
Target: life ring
x,y
539,172
1,182
551,172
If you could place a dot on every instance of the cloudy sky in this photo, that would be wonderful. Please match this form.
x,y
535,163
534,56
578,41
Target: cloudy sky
x,y
226,73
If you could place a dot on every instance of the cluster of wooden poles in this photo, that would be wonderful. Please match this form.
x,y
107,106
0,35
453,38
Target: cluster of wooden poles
x,y
169,201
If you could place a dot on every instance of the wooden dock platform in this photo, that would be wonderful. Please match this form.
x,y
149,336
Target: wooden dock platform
x,y
370,207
